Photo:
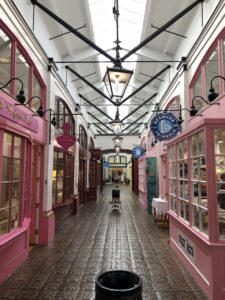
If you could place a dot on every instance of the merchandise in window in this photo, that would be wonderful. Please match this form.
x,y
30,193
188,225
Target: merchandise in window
x,y
172,178
219,138
198,182
62,178
183,195
12,163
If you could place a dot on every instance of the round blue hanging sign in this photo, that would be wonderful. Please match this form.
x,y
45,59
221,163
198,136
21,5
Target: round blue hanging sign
x,y
138,151
164,126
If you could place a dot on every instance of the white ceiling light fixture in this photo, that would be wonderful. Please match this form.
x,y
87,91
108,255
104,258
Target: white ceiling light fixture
x,y
116,78
117,140
117,149
117,125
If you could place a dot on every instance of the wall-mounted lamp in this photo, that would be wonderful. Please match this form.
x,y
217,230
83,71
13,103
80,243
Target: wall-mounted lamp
x,y
78,109
155,141
212,94
193,111
20,97
53,119
117,140
117,125
40,111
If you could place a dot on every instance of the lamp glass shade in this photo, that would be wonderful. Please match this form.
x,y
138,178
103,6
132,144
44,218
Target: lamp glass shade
x,y
116,80
117,140
117,126
117,149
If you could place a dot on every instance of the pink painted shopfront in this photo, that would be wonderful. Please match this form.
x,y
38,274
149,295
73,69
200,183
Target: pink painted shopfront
x,y
196,168
22,140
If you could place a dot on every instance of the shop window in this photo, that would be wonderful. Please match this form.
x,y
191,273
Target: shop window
x,y
172,178
198,182
62,178
174,105
187,185
5,59
92,145
11,179
36,91
223,60
117,159
22,72
23,69
219,139
197,91
82,137
209,68
183,196
64,115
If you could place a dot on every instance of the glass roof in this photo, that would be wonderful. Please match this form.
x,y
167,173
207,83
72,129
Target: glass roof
x,y
131,16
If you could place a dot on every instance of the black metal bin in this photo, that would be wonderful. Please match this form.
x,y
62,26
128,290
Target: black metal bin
x,y
116,194
118,285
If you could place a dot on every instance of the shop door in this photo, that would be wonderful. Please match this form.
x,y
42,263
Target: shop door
x,y
93,180
35,193
151,180
82,180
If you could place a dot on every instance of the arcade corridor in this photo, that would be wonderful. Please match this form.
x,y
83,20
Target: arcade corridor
x,y
97,240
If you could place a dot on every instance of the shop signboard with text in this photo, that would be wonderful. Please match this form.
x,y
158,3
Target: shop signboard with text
x,y
164,126
10,111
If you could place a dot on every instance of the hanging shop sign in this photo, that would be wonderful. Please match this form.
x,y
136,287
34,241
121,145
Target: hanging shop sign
x,y
138,151
17,115
66,140
164,126
106,164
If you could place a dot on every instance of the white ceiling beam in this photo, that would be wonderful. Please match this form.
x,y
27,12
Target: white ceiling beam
x,y
81,55
88,89
147,89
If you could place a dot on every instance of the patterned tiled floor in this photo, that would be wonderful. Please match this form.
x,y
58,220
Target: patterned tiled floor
x,y
96,241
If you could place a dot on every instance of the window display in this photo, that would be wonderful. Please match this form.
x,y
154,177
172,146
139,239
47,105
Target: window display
x,y
219,137
183,206
189,191
62,178
172,178
11,178
198,182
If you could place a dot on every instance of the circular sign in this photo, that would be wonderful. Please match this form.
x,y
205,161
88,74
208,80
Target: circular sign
x,y
138,151
164,126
